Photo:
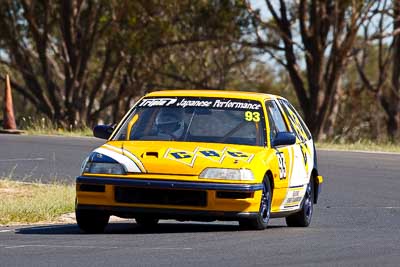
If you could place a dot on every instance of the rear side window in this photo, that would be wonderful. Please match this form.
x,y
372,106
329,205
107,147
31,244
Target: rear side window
x,y
296,122
276,122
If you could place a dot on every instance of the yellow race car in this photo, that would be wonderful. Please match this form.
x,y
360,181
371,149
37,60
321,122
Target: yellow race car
x,y
201,155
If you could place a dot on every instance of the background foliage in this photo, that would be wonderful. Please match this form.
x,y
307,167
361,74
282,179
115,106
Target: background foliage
x,y
82,62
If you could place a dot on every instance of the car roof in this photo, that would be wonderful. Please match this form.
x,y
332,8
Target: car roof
x,y
214,93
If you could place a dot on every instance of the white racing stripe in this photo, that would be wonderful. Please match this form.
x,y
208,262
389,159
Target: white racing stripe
x,y
137,161
124,160
130,155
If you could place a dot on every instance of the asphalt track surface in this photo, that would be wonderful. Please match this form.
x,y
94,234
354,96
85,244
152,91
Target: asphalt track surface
x,y
356,222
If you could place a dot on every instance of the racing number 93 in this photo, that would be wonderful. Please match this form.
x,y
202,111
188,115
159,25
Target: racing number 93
x,y
252,116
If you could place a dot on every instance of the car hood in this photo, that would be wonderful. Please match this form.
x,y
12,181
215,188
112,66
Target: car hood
x,y
180,158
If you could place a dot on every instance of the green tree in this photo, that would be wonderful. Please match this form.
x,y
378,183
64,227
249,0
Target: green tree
x,y
77,60
312,40
377,58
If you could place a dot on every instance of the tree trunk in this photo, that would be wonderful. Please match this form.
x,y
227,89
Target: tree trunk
x,y
394,92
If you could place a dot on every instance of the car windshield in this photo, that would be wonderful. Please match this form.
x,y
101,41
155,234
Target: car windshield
x,y
195,119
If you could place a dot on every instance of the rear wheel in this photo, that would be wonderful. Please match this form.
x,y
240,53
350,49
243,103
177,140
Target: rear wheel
x,y
262,219
92,221
145,221
303,217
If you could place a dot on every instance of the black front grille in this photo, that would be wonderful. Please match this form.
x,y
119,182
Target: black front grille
x,y
91,188
160,196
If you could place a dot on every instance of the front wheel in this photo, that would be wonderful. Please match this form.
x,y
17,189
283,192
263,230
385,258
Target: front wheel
x,y
91,221
303,217
262,219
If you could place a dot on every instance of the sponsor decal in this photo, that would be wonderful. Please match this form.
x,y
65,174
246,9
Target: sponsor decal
x,y
211,154
194,103
206,102
294,197
157,102
239,155
189,157
236,104
298,128
305,151
185,157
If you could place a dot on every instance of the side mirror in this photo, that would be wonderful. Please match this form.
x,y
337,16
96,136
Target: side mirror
x,y
284,139
103,131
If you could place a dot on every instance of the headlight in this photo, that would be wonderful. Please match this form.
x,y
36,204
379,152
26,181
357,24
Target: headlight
x,y
227,174
104,168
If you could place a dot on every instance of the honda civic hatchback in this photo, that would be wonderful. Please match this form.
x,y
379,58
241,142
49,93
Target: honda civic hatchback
x,y
204,156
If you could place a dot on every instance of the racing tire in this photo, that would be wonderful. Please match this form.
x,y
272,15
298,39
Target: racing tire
x,y
146,222
303,217
264,214
92,221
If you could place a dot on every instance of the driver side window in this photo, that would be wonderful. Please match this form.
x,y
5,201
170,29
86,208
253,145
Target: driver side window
x,y
276,121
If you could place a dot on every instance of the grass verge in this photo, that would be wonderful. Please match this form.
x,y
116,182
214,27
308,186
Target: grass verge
x,y
25,203
363,145
58,131
44,126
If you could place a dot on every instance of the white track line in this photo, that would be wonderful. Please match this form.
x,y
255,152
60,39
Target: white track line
x,y
87,247
166,248
27,159
358,207
57,246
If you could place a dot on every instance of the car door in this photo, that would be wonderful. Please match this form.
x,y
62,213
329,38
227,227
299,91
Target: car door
x,y
304,148
278,124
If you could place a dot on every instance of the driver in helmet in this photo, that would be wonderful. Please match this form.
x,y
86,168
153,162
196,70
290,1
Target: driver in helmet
x,y
170,123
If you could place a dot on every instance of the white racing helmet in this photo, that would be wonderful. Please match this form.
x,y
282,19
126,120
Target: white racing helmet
x,y
170,121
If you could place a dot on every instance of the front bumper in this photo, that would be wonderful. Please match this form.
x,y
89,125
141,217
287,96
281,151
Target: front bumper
x,y
176,214
127,197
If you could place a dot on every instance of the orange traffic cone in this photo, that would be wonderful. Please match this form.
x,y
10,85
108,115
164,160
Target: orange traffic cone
x,y
9,124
